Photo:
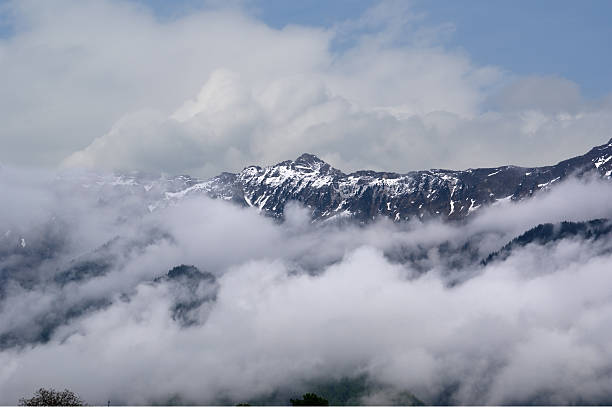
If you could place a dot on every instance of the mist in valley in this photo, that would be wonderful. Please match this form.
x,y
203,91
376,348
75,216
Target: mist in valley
x,y
99,295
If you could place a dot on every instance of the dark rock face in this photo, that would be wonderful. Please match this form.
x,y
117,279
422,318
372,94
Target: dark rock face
x,y
194,293
365,195
40,258
360,196
44,325
548,233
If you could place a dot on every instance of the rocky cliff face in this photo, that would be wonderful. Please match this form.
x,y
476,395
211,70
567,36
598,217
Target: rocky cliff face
x,y
364,195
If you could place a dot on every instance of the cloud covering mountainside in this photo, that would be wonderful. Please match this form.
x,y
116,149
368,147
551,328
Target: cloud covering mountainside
x,y
483,280
92,299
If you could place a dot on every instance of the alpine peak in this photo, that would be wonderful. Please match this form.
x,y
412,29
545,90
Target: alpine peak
x,y
308,158
365,195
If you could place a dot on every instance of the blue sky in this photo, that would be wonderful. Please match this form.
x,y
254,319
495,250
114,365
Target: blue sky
x,y
568,38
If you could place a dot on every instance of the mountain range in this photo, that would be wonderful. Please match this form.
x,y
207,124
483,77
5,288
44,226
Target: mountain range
x,y
99,242
365,195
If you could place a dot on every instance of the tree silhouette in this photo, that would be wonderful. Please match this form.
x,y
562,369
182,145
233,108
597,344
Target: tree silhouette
x,y
310,399
51,397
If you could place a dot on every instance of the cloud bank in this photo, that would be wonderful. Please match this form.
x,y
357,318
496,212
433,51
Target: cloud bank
x,y
85,298
408,305
109,86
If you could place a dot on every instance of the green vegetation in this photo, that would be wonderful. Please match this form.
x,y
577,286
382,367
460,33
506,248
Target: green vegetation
x,y
51,397
310,399
335,392
344,392
351,391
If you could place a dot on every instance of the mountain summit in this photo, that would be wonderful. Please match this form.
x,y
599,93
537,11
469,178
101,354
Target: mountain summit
x,y
364,195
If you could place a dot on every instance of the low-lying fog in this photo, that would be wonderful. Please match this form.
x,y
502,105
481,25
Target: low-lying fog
x,y
410,305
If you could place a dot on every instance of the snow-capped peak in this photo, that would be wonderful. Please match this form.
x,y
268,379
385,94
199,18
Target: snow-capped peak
x,y
308,158
364,195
